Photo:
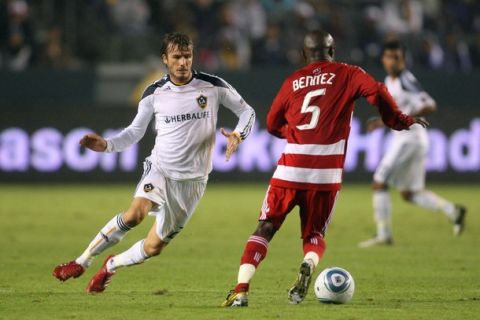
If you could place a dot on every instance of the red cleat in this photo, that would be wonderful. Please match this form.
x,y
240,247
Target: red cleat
x,y
100,280
67,270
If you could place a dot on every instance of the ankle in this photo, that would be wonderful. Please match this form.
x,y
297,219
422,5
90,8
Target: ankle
x,y
311,263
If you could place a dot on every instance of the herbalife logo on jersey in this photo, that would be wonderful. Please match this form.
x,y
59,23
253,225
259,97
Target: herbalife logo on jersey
x,y
187,117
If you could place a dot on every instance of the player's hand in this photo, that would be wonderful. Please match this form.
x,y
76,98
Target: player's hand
x,y
374,123
233,142
94,142
421,122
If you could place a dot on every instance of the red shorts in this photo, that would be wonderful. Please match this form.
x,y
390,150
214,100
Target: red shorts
x,y
316,208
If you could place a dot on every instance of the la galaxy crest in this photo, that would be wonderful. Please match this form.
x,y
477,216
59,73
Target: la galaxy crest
x,y
202,101
148,187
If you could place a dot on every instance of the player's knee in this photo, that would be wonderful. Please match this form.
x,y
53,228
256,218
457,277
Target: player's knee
x,y
265,229
407,195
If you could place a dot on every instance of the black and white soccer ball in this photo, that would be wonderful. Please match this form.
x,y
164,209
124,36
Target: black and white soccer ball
x,y
334,285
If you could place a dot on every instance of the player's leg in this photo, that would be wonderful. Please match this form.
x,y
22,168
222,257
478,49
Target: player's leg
x,y
387,174
316,211
277,204
142,250
148,195
112,233
412,186
382,210
254,252
431,201
180,201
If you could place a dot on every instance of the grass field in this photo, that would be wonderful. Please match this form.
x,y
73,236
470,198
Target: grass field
x,y
428,274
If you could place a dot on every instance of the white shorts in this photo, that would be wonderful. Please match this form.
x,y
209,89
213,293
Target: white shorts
x,y
403,166
175,200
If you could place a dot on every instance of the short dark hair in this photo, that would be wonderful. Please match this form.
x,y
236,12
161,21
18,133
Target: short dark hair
x,y
183,41
394,45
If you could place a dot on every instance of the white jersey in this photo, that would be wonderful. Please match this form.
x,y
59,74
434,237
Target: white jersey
x,y
410,98
185,122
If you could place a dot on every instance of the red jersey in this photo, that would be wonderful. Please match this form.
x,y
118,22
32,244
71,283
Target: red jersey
x,y
313,111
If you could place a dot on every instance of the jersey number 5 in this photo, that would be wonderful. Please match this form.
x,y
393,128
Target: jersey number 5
x,y
314,110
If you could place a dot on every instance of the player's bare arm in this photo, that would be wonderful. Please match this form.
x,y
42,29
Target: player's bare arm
x,y
94,142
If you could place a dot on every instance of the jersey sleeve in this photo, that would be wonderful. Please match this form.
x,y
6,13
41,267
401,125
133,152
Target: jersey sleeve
x,y
136,130
230,99
419,98
420,101
364,85
276,122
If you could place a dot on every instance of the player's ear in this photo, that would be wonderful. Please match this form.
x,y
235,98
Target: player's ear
x,y
331,52
164,58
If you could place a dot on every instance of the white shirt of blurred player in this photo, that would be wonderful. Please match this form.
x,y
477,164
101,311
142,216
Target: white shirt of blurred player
x,y
185,121
410,98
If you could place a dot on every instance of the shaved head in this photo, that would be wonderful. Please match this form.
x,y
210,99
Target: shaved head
x,y
318,45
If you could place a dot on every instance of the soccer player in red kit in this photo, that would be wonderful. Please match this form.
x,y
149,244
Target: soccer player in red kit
x,y
313,112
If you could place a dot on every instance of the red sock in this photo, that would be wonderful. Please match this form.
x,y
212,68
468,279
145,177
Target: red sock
x,y
314,243
255,250
242,287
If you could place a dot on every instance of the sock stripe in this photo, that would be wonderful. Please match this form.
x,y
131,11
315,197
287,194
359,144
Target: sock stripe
x,y
122,224
259,242
260,239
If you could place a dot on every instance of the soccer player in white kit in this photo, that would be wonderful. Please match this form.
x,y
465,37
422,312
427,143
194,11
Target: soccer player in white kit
x,y
184,105
403,165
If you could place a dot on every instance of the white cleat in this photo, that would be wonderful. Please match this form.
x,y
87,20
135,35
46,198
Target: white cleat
x,y
299,291
375,242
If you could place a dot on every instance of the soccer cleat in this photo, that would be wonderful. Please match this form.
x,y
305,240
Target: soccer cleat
x,y
65,271
459,223
236,299
101,279
299,291
376,241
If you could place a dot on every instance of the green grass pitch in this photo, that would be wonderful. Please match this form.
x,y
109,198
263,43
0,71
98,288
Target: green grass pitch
x,y
428,274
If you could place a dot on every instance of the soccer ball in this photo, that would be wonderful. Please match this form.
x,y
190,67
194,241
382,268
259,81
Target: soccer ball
x,y
334,285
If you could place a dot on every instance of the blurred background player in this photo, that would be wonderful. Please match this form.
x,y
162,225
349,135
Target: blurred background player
x,y
403,165
313,112
184,104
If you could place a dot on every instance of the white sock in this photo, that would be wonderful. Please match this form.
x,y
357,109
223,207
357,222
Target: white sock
x,y
111,234
382,207
429,200
135,255
245,273
312,256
